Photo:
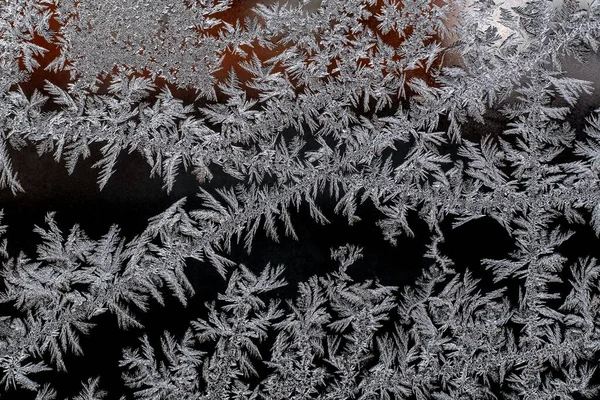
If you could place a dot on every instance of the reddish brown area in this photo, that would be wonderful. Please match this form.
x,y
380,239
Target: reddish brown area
x,y
239,10
39,75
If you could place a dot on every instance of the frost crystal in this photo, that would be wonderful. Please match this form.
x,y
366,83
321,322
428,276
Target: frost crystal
x,y
412,119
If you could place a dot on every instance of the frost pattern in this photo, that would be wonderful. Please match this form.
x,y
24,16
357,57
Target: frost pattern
x,y
447,110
